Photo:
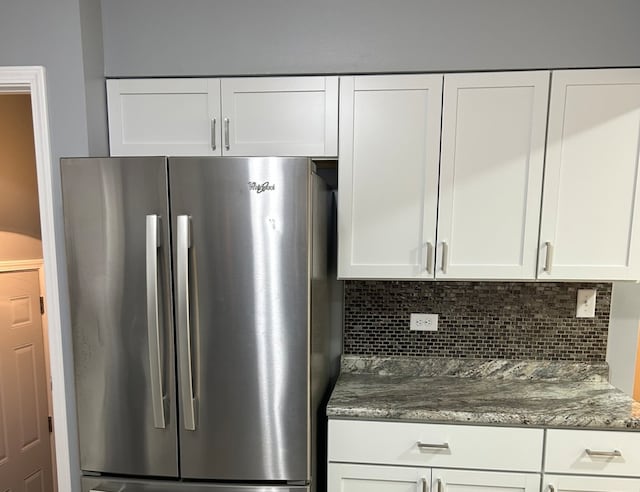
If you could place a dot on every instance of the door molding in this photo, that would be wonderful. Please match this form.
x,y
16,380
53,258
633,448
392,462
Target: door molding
x,y
31,80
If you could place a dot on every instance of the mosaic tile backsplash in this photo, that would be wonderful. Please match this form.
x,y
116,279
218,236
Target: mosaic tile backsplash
x,y
507,320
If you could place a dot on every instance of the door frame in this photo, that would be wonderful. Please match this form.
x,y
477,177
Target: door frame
x,y
31,80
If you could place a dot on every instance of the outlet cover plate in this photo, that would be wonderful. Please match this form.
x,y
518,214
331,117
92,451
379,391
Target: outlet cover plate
x,y
423,322
586,303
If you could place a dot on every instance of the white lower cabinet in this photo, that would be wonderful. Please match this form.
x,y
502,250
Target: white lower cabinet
x,y
366,456
483,481
370,478
568,483
377,456
345,477
593,452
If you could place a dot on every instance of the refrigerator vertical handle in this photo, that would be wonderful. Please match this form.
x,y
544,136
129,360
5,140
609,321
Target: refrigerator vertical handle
x,y
153,321
183,322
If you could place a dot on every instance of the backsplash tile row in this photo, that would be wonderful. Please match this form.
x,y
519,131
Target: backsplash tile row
x,y
511,320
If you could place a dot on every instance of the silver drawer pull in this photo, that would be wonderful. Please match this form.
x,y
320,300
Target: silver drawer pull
x,y
440,485
607,454
425,485
424,445
552,488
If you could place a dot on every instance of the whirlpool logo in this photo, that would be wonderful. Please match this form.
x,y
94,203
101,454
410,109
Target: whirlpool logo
x,y
261,187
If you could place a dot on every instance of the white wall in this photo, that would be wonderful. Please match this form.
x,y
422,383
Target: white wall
x,y
241,37
622,345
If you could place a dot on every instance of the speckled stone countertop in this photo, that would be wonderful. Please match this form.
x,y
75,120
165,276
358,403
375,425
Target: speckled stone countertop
x,y
475,391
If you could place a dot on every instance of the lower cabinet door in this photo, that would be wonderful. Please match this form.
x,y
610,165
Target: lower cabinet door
x,y
372,478
481,481
568,483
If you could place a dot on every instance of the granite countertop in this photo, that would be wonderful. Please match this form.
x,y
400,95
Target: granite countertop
x,y
475,391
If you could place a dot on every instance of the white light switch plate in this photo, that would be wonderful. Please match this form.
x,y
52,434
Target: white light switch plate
x,y
423,322
586,303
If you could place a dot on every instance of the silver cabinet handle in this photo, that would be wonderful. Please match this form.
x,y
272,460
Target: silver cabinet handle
x,y
213,134
552,488
429,265
607,454
226,133
183,321
153,321
425,485
549,257
424,445
445,257
440,485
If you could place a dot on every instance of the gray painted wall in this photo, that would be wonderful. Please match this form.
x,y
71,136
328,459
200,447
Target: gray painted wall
x,y
240,37
53,35
95,91
41,32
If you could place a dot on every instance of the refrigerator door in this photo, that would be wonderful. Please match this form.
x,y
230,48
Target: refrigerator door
x,y
241,257
118,256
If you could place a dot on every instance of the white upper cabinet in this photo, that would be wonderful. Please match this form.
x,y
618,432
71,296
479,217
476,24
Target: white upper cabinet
x,y
589,227
287,116
493,132
388,175
492,156
253,116
164,116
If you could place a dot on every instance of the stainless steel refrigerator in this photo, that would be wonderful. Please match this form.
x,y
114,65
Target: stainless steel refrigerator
x,y
200,302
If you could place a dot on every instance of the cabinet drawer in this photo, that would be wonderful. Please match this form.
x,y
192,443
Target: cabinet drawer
x,y
456,446
593,452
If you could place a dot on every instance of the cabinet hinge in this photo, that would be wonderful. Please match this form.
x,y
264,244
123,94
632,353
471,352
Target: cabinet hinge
x,y
41,305
50,420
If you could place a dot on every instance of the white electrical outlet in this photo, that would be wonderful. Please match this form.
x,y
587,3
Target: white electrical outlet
x,y
423,322
586,303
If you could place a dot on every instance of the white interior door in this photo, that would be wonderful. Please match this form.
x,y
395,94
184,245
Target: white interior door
x,y
25,453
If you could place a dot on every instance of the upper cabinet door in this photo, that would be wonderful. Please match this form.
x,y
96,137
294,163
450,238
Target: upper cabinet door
x,y
388,175
287,116
493,135
589,226
164,117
